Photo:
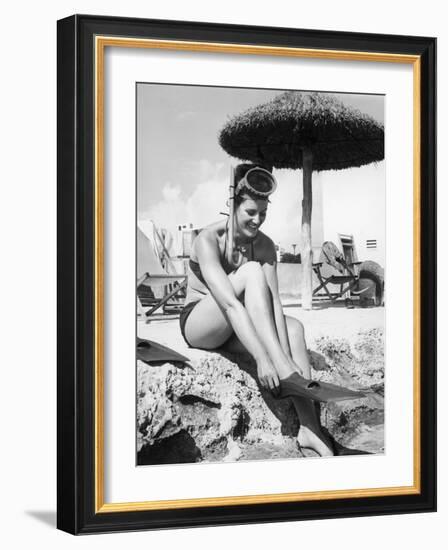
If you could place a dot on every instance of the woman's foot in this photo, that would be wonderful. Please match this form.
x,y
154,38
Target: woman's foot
x,y
305,372
309,440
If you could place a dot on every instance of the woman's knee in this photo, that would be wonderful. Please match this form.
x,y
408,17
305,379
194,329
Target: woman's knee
x,y
247,274
252,272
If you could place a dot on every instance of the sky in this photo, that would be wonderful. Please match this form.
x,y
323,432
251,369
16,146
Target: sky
x,y
183,173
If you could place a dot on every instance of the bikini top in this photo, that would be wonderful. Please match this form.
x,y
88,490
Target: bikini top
x,y
196,268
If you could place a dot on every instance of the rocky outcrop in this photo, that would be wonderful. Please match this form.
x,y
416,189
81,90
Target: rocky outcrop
x,y
359,424
214,409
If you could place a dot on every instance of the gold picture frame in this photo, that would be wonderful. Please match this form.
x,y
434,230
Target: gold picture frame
x,y
80,36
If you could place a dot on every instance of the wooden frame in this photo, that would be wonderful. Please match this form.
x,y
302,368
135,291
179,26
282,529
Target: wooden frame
x,y
81,44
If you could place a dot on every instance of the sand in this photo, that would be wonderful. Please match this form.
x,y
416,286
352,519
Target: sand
x,y
334,322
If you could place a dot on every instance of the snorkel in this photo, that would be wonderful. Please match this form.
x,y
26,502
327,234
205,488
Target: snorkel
x,y
230,249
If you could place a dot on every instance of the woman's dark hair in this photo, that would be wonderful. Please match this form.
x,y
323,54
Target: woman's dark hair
x,y
240,171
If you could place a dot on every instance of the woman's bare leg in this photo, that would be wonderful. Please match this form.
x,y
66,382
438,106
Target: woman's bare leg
x,y
208,327
310,432
297,345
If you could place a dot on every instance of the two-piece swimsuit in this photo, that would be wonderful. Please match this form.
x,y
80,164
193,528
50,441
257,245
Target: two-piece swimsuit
x,y
195,268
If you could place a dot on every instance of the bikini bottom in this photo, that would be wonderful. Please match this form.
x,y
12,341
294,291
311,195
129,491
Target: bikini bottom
x,y
183,319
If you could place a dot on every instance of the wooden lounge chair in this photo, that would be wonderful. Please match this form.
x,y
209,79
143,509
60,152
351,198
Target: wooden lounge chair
x,y
157,288
344,274
173,298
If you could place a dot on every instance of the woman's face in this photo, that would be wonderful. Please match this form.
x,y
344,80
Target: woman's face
x,y
249,216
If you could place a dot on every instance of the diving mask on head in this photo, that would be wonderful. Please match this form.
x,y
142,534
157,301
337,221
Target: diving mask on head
x,y
258,181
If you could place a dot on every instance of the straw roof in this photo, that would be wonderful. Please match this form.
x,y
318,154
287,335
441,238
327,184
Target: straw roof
x,y
275,132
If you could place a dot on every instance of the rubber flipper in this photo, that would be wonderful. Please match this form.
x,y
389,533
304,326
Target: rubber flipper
x,y
295,385
152,352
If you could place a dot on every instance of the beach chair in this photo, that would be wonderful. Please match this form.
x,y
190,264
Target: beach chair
x,y
157,288
333,269
172,300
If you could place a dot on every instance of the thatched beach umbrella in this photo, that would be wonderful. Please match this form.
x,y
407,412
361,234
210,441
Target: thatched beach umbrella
x,y
308,131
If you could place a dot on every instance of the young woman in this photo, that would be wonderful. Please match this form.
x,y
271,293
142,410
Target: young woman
x,y
233,299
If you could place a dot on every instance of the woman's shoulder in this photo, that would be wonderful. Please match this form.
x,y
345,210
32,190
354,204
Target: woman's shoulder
x,y
213,230
210,234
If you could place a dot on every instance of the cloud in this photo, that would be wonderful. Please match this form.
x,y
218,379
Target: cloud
x,y
209,197
200,208
171,192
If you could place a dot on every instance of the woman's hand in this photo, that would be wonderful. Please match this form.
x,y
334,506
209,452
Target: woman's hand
x,y
268,375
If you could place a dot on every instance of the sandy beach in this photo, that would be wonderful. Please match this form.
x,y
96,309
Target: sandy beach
x,y
333,322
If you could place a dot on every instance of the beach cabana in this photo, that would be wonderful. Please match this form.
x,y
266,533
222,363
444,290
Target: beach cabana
x,y
308,131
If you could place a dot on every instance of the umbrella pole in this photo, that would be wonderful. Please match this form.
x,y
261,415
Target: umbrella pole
x,y
307,253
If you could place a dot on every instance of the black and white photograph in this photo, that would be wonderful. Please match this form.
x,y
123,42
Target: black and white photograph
x,y
227,213
260,274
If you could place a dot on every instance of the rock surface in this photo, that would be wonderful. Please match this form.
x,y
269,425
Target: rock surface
x,y
214,410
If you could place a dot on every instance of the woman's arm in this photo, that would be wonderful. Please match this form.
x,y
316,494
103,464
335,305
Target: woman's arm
x,y
222,290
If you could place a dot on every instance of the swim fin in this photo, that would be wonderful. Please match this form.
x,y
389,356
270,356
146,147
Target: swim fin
x,y
152,352
297,386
